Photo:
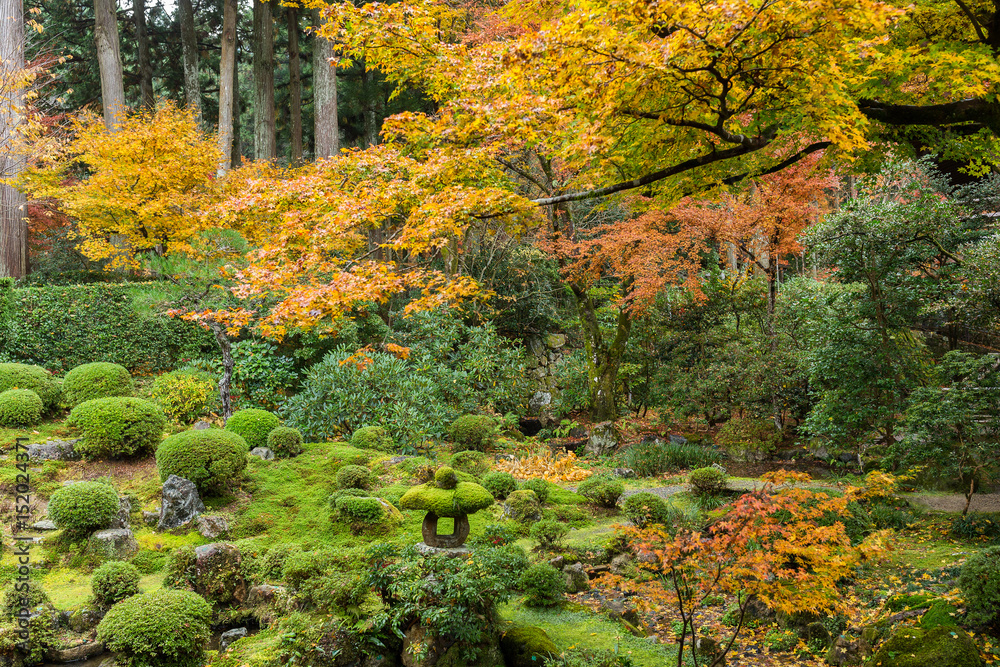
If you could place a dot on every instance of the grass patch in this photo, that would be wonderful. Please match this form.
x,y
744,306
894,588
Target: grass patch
x,y
55,429
166,542
561,496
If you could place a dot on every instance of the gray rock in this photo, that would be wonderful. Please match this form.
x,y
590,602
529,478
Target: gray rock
x,y
121,519
788,454
620,563
539,400
150,518
576,579
555,341
201,426
109,662
54,450
603,440
821,452
847,457
45,524
623,473
504,457
536,346
211,527
181,503
846,652
678,439
217,573
113,544
230,636
558,562
83,619
262,453
450,552
395,460
74,653
579,432
264,593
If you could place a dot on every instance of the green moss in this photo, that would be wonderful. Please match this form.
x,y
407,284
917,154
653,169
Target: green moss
x,y
500,484
939,614
96,380
561,496
474,463
445,477
474,432
253,425
354,477
526,646
909,601
917,647
209,458
465,498
523,506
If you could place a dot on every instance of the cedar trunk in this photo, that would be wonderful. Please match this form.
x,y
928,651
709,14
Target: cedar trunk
x,y
189,45
146,99
264,140
327,132
109,61
227,69
295,85
13,227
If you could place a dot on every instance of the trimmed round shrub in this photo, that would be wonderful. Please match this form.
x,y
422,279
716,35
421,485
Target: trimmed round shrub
x,y
645,508
500,484
543,585
253,425
118,426
707,481
96,380
980,584
548,533
539,486
83,507
474,432
601,491
114,581
14,600
373,437
163,628
354,477
285,441
210,458
474,463
185,395
35,378
20,407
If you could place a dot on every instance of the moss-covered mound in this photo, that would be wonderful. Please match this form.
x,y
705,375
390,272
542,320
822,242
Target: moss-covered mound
x,y
373,437
285,441
96,380
164,628
35,378
20,407
253,425
527,646
446,496
209,458
941,647
83,507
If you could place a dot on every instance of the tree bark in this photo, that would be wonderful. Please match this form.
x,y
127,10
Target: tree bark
x,y
236,157
225,382
295,86
109,61
146,99
189,45
371,108
227,70
264,140
327,132
13,227
603,360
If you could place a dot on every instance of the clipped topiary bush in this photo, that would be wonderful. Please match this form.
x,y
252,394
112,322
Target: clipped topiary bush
x,y
522,506
20,407
980,584
539,486
500,484
601,491
96,380
210,458
83,507
645,508
14,599
707,481
748,439
285,441
35,378
354,477
185,395
474,463
163,628
118,426
475,432
543,585
373,437
253,425
114,581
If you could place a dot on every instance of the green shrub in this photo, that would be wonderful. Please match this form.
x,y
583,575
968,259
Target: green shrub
x,y
99,379
83,507
366,513
475,432
14,599
500,484
781,640
118,426
645,508
474,463
652,458
494,535
543,585
149,562
980,584
285,441
539,486
163,628
373,437
748,439
114,581
20,407
354,477
210,458
185,395
522,506
977,525
601,491
35,378
548,533
590,657
253,425
707,481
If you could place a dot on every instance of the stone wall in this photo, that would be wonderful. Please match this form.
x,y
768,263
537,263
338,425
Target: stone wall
x,y
545,354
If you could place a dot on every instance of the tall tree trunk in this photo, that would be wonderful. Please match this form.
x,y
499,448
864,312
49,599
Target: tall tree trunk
x,y
146,99
295,85
264,125
13,227
372,107
225,382
109,61
236,157
227,71
603,360
326,135
189,45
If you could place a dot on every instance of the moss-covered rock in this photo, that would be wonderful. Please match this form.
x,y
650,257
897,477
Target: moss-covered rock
x,y
939,614
918,647
522,506
464,498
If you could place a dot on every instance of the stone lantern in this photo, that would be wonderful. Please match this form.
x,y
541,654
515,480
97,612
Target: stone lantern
x,y
445,496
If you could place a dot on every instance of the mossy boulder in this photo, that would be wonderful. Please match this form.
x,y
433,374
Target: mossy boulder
x,y
455,499
522,506
527,646
902,602
918,647
214,571
939,614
